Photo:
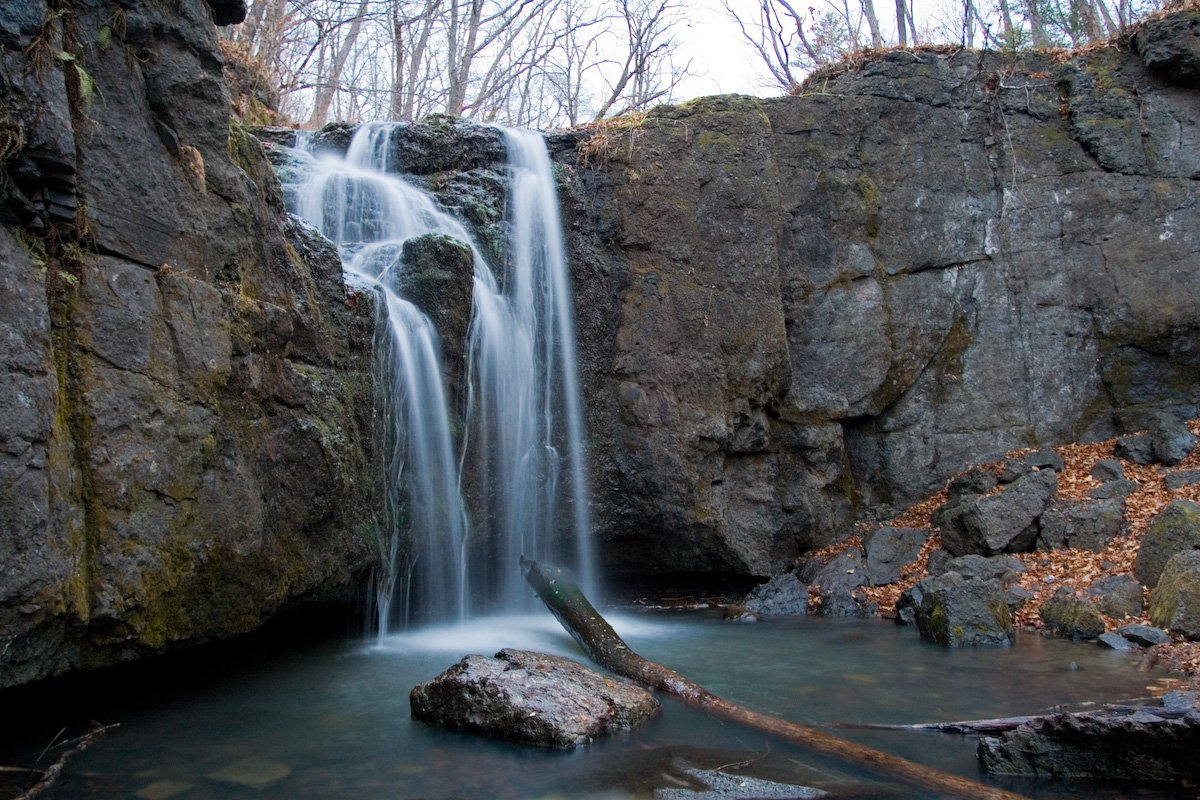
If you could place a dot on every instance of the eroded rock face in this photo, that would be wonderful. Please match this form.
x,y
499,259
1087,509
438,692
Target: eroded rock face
x,y
1144,744
184,391
801,309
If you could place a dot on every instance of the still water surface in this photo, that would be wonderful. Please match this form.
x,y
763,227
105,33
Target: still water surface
x,y
332,721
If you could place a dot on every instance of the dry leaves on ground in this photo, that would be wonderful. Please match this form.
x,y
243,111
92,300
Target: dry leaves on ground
x,y
1047,571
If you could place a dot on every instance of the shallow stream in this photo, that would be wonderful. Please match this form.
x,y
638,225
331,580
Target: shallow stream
x,y
332,720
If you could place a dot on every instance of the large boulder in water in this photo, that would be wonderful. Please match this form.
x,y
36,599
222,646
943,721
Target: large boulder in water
x,y
959,612
531,697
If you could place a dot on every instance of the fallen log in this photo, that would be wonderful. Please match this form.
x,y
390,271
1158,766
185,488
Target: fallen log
x,y
598,639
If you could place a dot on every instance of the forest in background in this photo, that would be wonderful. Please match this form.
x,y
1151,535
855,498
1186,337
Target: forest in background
x,y
560,63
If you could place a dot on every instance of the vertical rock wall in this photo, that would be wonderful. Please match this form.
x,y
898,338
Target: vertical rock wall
x,y
803,310
185,394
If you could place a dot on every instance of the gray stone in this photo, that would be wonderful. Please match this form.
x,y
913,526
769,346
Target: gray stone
x,y
1170,438
1138,746
1117,489
839,587
957,612
1042,459
1070,617
973,481
1136,447
1083,525
1175,601
1174,529
533,698
1181,700
1182,478
976,323
1005,569
999,523
438,278
1169,47
209,464
1144,635
1108,470
1117,595
889,550
1115,641
782,596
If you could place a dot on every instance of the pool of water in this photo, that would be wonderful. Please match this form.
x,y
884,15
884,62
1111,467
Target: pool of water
x,y
332,720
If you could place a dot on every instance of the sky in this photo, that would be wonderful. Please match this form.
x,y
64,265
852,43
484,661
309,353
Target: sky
x,y
723,62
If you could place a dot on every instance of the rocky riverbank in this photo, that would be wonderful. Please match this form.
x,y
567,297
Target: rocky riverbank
x,y
1127,515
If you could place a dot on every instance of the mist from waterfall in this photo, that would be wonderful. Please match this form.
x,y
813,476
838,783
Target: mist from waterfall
x,y
460,511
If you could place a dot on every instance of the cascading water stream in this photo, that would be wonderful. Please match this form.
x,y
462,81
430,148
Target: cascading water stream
x,y
525,408
521,459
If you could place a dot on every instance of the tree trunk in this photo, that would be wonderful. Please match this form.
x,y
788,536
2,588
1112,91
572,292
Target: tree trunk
x,y
593,633
868,7
331,81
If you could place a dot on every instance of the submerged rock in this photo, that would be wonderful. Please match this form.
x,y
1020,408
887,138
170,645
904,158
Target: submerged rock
x,y
718,785
531,697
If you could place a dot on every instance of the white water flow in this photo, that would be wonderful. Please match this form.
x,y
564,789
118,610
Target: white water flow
x,y
524,406
521,458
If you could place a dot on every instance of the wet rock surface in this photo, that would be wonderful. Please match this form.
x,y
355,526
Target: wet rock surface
x,y
531,697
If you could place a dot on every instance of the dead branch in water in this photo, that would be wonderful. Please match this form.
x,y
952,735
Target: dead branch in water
x,y
593,633
77,746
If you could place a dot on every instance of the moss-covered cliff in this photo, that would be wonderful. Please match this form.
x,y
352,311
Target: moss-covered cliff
x,y
185,395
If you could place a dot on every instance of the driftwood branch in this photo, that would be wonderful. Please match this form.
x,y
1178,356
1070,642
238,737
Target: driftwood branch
x,y
593,633
51,773
1004,724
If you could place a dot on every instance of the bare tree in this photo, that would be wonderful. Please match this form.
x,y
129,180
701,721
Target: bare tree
x,y
647,70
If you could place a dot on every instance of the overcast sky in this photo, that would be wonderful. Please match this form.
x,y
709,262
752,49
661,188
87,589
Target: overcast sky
x,y
722,61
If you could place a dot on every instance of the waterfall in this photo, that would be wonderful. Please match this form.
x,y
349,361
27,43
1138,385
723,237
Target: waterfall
x,y
524,406
461,513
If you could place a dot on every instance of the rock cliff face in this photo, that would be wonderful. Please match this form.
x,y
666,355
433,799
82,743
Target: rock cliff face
x,y
799,310
185,394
